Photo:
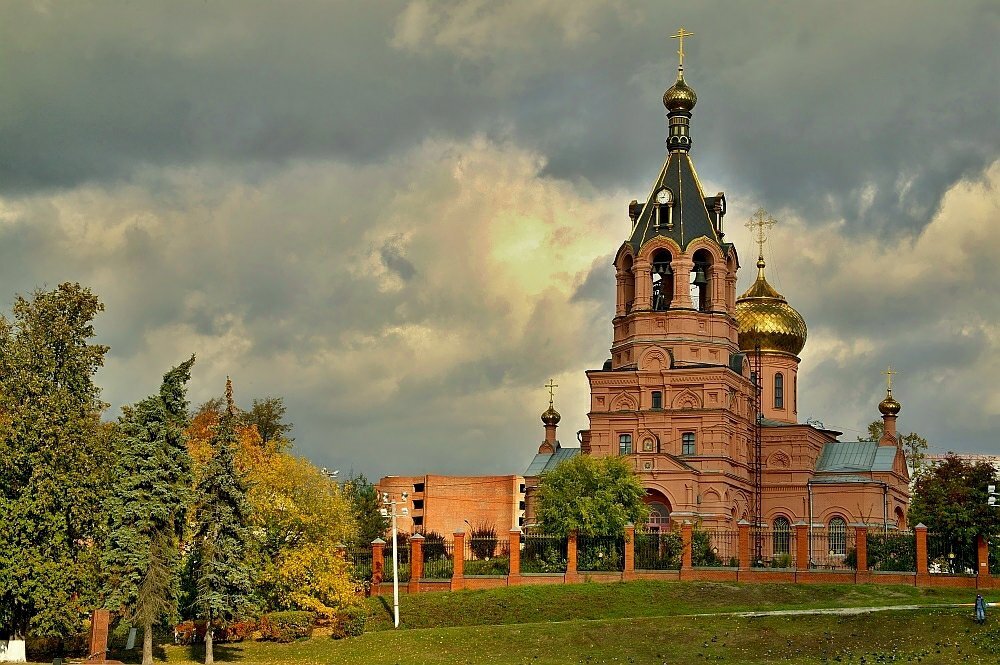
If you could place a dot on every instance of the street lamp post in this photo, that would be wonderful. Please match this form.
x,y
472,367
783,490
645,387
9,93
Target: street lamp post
x,y
389,510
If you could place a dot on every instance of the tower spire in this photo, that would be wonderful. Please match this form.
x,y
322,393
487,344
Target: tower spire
x,y
679,99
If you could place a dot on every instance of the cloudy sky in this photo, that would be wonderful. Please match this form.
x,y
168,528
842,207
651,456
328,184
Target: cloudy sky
x,y
400,216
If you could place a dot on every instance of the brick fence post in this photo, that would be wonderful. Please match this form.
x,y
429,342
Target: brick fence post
x,y
416,562
378,566
983,557
920,533
861,552
686,537
801,546
743,543
341,550
571,572
514,575
458,562
629,571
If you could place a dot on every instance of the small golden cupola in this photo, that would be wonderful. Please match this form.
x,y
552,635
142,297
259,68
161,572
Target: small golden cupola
x,y
766,320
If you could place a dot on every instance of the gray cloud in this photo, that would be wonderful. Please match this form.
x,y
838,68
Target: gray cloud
x,y
400,216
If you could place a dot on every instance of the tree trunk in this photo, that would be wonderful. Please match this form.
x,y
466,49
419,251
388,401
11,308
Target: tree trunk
x,y
209,657
147,643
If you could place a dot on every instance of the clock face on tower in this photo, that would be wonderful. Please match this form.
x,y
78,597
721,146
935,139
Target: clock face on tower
x,y
663,197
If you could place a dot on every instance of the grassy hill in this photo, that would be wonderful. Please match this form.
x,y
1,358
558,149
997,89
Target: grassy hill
x,y
647,622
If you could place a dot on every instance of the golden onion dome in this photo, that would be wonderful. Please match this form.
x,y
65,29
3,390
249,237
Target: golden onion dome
x,y
889,406
551,416
680,96
765,319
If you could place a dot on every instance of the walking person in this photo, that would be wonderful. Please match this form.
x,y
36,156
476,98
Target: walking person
x,y
980,609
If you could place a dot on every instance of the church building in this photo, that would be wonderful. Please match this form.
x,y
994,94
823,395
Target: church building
x,y
700,392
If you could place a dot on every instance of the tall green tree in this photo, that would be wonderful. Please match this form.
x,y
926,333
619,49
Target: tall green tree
x,y
54,460
222,531
596,497
951,498
147,507
268,416
914,445
367,510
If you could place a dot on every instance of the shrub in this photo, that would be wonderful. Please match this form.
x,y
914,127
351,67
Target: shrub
x,y
702,552
781,561
349,623
238,631
494,566
434,547
483,541
286,626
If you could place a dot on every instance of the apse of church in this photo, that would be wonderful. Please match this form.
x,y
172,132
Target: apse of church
x,y
700,390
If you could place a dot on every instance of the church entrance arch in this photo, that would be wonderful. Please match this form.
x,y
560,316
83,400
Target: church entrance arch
x,y
659,511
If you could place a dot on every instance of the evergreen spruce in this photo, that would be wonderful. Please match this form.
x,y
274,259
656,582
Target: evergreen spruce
x,y
222,533
147,506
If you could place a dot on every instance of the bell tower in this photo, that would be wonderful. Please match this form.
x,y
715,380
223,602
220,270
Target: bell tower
x,y
675,394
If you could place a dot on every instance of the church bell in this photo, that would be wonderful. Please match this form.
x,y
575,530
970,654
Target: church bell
x,y
699,277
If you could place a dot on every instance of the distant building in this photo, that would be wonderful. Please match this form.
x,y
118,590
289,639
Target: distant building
x,y
446,504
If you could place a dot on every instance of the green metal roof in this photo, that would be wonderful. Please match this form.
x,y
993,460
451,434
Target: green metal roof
x,y
855,456
546,462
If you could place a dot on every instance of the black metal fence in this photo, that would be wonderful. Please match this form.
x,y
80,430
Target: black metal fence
x,y
658,550
600,553
542,553
360,560
777,548
715,548
833,549
893,551
404,561
438,557
487,556
950,556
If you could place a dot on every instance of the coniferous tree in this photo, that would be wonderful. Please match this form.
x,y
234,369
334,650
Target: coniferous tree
x,y
222,533
147,507
54,457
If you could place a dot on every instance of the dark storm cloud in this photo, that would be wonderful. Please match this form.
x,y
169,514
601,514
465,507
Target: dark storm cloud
x,y
400,216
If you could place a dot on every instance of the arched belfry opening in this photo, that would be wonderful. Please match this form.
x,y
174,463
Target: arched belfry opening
x,y
663,280
701,276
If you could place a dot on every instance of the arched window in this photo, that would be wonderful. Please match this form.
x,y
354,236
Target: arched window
x,y
837,536
663,280
795,393
687,443
779,391
624,444
659,517
782,535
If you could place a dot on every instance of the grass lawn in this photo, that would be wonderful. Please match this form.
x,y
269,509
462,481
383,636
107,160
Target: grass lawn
x,y
641,622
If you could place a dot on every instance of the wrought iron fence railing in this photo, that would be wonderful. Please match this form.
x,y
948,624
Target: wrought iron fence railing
x,y
542,553
950,556
777,548
487,556
600,553
658,550
893,551
360,560
833,549
438,557
404,561
715,548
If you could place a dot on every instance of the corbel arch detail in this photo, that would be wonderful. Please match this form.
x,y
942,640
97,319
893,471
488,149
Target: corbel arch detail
x,y
687,399
655,359
623,402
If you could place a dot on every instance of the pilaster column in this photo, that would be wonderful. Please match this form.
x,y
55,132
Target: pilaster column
x,y
718,284
682,281
643,286
620,291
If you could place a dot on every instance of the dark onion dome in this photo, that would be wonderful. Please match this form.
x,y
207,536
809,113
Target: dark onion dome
x,y
551,416
889,406
680,96
765,319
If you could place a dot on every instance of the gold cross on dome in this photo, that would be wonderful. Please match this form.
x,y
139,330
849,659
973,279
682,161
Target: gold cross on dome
x,y
551,385
759,224
681,34
888,376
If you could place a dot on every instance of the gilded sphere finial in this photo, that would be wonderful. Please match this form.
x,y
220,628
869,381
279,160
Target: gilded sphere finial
x,y
766,320
680,96
551,416
889,406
